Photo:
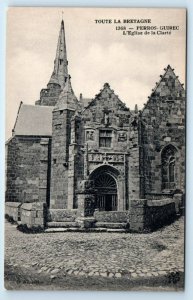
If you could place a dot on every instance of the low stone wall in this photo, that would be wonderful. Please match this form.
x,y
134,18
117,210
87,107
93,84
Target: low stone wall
x,y
151,214
137,215
12,209
62,215
33,214
111,216
158,196
160,212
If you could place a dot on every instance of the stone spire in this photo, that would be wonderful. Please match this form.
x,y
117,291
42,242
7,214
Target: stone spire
x,y
67,98
60,72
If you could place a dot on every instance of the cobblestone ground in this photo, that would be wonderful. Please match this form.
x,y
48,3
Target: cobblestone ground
x,y
97,255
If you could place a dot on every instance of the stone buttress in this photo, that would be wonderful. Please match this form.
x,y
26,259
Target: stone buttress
x,y
61,138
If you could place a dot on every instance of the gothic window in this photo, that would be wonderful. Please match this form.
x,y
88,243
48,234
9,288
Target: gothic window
x,y
105,138
168,160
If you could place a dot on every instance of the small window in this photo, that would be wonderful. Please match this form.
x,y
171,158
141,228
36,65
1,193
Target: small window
x,y
171,170
168,167
105,138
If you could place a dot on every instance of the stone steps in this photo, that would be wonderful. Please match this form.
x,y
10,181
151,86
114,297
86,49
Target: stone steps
x,y
62,225
76,229
111,225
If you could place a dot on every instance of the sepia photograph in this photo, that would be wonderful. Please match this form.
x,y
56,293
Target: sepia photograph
x,y
95,149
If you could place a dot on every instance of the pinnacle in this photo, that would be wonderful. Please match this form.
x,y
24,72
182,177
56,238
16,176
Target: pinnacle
x,y
67,98
106,85
68,86
136,109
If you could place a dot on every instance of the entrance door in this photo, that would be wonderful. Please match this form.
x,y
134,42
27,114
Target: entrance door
x,y
106,195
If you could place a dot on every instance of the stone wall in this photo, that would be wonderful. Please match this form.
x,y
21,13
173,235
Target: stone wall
x,y
49,96
163,124
111,216
160,213
27,169
33,214
13,209
151,214
62,215
137,215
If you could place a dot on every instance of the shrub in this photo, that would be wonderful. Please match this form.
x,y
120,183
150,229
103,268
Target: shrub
x,y
34,229
10,219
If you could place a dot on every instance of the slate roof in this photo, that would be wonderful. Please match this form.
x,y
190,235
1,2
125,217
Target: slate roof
x,y
86,101
33,120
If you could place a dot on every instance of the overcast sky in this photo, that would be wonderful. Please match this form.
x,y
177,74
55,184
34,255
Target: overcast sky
x,y
97,53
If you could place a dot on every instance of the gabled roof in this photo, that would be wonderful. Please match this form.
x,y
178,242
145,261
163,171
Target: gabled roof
x,y
33,120
86,101
169,88
107,94
169,84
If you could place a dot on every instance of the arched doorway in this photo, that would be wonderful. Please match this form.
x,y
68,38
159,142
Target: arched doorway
x,y
106,189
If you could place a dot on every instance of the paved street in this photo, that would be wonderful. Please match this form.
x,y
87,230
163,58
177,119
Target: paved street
x,y
96,255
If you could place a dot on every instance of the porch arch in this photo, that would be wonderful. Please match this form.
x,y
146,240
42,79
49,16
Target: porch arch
x,y
109,188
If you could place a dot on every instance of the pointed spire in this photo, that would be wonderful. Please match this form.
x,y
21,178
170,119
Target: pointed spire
x,y
60,72
67,98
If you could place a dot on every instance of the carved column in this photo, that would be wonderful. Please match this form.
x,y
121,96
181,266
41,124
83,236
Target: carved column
x,y
86,204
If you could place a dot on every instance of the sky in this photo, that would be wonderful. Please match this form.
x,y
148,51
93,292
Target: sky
x,y
97,53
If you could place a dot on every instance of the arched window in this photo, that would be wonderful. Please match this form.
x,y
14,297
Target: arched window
x,y
168,161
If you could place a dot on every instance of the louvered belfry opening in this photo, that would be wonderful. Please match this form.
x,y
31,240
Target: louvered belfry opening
x,y
106,195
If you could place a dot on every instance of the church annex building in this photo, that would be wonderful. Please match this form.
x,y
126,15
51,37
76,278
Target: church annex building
x,y
94,163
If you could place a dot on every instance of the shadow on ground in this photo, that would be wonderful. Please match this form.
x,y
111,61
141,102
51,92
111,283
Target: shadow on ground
x,y
21,279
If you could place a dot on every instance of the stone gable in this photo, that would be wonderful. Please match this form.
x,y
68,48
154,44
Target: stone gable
x,y
163,123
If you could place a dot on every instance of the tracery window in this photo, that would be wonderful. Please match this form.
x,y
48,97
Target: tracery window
x,y
168,161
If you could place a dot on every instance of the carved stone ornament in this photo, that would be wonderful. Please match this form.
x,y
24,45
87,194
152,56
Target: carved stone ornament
x,y
122,137
90,135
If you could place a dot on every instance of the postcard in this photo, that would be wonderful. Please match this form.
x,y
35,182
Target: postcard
x,y
95,149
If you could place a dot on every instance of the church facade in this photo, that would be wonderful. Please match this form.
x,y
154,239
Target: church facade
x,y
95,158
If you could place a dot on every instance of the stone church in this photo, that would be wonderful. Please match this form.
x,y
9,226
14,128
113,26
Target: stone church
x,y
95,161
